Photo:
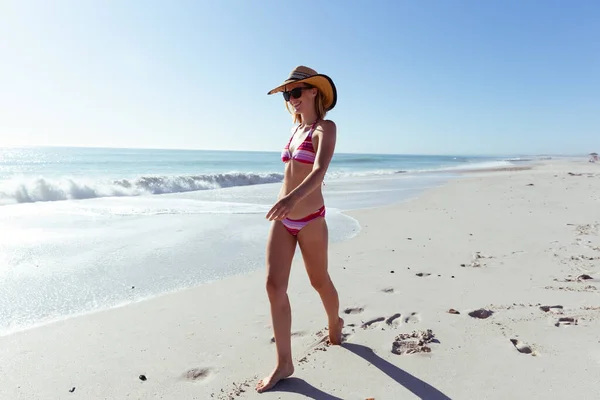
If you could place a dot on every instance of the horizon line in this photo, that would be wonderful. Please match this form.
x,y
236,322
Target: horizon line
x,y
275,151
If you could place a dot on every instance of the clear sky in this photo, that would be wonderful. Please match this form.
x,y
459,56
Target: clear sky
x,y
414,77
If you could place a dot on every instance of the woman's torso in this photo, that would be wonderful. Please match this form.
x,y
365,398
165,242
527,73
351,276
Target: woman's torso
x,y
299,158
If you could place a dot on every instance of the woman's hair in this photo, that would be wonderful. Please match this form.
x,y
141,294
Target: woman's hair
x,y
319,107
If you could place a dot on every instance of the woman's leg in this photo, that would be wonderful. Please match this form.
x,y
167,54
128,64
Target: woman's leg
x,y
313,240
281,246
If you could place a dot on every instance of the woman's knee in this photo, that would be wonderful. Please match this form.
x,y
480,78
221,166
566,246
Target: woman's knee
x,y
320,282
276,286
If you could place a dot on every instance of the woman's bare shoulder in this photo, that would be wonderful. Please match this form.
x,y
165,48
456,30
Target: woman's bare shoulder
x,y
327,126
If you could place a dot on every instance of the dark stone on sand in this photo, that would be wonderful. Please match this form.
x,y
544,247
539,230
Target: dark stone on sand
x,y
391,272
72,389
530,184
481,313
452,276
453,311
409,238
142,377
463,265
584,277
133,287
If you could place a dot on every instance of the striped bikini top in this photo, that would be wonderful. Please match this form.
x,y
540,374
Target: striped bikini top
x,y
304,153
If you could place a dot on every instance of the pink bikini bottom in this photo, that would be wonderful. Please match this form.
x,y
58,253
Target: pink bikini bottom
x,y
295,225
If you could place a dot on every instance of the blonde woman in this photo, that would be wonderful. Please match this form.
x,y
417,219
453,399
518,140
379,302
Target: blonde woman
x,y
299,214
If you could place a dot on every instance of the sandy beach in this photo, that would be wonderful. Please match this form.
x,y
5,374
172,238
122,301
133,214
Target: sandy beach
x,y
514,253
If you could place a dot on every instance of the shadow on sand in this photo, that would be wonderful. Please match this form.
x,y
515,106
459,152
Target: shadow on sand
x,y
418,387
300,386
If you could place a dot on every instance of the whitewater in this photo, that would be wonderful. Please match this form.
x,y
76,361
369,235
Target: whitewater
x,y
83,230
52,174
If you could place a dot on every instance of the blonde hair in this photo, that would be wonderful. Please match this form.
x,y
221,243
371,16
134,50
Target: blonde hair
x,y
319,107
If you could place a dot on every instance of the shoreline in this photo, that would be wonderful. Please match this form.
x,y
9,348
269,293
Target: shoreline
x,y
196,342
459,174
338,218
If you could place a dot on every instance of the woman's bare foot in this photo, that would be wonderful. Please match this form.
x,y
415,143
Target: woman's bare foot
x,y
335,332
280,372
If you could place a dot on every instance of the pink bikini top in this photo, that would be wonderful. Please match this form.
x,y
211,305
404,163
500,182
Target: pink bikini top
x,y
304,153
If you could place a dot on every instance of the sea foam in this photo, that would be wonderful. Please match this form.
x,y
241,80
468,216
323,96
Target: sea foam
x,y
29,190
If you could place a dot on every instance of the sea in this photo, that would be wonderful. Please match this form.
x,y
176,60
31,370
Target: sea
x,y
88,229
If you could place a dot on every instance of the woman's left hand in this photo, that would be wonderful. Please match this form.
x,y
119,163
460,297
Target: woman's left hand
x,y
282,208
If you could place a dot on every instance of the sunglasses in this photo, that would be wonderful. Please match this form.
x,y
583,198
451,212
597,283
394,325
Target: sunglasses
x,y
294,93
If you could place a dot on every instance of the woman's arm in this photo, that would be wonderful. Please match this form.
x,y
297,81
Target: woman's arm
x,y
326,137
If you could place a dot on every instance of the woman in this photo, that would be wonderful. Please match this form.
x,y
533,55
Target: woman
x,y
299,214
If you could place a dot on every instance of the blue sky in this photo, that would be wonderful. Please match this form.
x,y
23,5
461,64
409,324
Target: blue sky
x,y
414,77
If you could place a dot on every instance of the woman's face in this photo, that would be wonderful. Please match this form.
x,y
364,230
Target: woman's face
x,y
306,99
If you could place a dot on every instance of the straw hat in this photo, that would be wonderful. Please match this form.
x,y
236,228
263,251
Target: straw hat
x,y
311,77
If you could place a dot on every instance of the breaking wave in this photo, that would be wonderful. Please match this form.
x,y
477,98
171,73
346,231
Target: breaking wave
x,y
41,189
28,190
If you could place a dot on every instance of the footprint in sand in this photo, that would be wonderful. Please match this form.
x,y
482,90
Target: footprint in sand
x,y
393,320
354,310
555,309
237,389
346,336
415,342
579,278
321,344
521,347
586,229
372,323
414,318
566,321
196,374
476,260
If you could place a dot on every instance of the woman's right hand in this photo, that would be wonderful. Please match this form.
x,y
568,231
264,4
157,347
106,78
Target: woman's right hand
x,y
282,208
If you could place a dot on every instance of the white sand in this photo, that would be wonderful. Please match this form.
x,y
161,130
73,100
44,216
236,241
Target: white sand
x,y
223,329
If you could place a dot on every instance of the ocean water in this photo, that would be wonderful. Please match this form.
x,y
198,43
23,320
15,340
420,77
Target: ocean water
x,y
84,229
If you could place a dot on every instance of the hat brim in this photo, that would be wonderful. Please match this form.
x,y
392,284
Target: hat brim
x,y
321,82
